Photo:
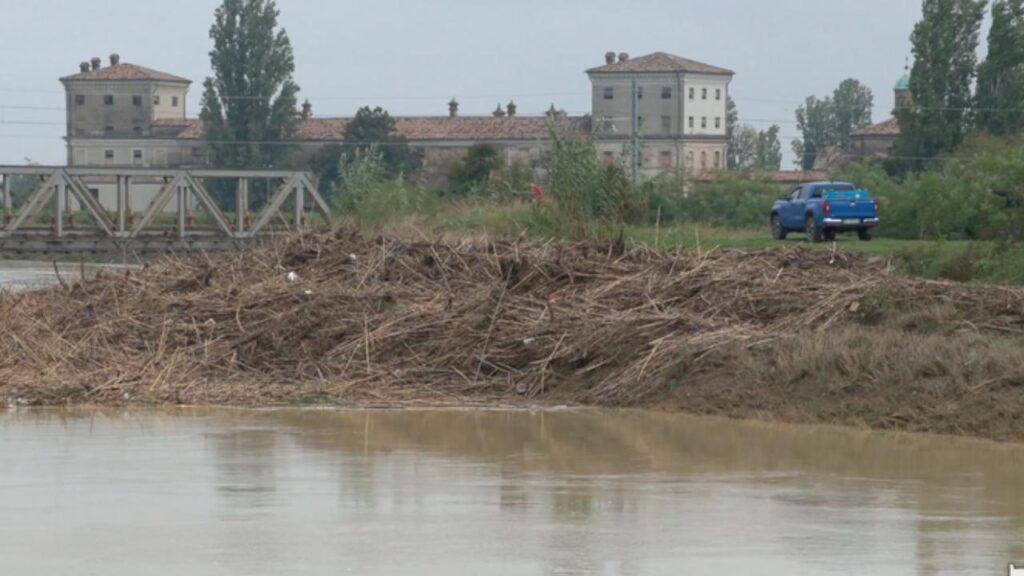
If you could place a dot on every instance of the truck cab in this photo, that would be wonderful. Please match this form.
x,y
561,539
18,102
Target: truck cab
x,y
821,210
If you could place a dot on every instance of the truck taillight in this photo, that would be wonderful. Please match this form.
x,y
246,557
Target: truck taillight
x,y
827,208
877,208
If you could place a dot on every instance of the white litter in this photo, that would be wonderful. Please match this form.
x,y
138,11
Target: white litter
x,y
293,277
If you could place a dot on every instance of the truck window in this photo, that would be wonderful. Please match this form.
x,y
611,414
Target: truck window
x,y
816,193
795,195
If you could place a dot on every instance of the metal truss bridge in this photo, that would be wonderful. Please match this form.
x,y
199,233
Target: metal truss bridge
x,y
70,210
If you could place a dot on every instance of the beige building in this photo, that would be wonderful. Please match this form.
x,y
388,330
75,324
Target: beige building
x,y
680,110
127,115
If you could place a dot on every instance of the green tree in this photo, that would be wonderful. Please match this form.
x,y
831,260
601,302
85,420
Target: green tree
x,y
816,121
743,149
945,43
831,121
768,150
375,127
476,168
249,105
732,132
325,163
851,108
1000,92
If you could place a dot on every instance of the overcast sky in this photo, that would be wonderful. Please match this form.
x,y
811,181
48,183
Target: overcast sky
x,y
412,56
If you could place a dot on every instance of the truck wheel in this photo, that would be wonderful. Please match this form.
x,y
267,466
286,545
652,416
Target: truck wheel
x,y
778,232
866,234
814,234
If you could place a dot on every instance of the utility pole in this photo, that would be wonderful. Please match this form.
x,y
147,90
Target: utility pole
x,y
635,164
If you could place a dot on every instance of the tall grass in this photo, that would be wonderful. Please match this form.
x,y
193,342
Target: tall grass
x,y
363,194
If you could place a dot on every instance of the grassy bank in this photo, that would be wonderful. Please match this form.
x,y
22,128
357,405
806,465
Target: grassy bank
x,y
794,335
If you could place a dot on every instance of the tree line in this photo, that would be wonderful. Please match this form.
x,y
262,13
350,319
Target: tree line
x,y
953,95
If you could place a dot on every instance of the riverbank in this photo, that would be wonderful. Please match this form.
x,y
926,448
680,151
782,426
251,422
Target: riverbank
x,y
791,335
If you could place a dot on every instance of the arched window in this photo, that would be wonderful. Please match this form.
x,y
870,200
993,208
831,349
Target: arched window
x,y
703,160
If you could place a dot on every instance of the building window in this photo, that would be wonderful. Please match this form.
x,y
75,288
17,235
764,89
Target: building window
x,y
136,100
703,160
137,156
703,121
108,155
718,122
108,100
691,121
639,92
718,159
666,124
691,93
109,128
81,157
703,93
174,101
689,160
80,99
609,93
718,93
608,157
137,129
666,93
665,159
156,100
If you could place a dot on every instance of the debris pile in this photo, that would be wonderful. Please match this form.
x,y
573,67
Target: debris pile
x,y
340,318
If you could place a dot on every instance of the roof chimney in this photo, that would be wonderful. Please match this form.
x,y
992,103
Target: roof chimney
x,y
96,63
453,108
609,57
115,59
498,112
512,108
84,66
307,110
623,56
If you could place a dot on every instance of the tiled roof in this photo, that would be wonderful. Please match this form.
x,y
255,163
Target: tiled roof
x,y
425,128
778,177
183,122
890,127
125,71
660,62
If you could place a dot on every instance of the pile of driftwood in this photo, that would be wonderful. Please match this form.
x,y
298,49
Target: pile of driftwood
x,y
338,317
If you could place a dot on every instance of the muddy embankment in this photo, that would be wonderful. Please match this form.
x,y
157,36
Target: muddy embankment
x,y
793,335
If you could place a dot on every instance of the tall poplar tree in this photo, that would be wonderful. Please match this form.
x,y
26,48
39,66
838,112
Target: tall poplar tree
x,y
945,44
249,105
732,132
852,103
1000,95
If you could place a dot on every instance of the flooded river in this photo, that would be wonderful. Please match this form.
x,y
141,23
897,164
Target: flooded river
x,y
449,492
24,275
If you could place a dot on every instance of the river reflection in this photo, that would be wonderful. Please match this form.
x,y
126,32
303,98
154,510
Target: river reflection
x,y
453,492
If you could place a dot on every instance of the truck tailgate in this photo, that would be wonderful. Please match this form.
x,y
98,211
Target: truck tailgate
x,y
856,204
853,209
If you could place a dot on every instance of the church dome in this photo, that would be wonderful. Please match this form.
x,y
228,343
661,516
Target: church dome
x,y
903,83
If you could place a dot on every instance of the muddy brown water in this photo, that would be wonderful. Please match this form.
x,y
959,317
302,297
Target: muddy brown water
x,y
27,275
200,492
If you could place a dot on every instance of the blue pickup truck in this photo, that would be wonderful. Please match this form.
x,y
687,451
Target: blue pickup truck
x,y
821,210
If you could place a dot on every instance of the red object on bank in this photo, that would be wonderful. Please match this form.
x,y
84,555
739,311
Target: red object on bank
x,y
538,194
